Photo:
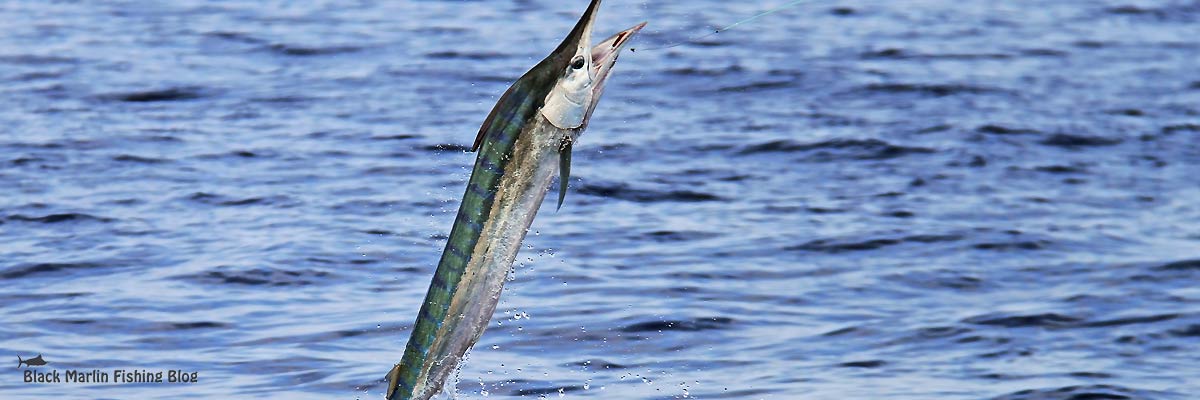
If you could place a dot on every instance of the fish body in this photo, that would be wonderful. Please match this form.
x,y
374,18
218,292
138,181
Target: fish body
x,y
524,142
480,266
32,362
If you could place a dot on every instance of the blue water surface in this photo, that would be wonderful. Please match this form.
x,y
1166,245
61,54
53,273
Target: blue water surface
x,y
843,200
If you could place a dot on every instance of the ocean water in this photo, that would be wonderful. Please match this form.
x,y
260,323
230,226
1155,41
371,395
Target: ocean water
x,y
842,200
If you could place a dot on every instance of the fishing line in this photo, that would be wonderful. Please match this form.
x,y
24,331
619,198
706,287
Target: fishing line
x,y
730,26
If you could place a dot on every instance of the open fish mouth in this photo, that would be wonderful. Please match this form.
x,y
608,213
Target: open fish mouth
x,y
605,53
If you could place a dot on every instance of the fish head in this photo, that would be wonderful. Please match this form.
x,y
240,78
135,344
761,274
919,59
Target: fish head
x,y
582,71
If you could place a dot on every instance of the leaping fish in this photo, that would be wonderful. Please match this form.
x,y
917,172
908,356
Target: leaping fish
x,y
523,143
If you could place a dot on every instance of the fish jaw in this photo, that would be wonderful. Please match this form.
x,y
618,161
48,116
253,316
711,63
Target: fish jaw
x,y
604,56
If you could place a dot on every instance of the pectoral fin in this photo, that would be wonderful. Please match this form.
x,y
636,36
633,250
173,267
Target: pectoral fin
x,y
564,171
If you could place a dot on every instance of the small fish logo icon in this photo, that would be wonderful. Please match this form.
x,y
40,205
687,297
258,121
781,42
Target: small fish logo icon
x,y
32,362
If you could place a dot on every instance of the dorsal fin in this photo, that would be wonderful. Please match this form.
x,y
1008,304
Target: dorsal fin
x,y
521,101
501,114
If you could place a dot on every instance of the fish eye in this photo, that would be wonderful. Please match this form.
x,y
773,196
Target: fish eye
x,y
578,63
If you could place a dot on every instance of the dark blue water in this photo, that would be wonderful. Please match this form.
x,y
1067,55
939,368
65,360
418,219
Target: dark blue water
x,y
845,200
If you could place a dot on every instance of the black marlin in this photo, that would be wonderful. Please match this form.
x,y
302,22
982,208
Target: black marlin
x,y
523,143
32,362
